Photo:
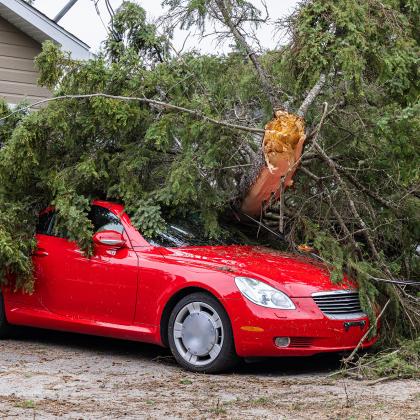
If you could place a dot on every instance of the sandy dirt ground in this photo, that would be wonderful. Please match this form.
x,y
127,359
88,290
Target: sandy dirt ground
x,y
49,375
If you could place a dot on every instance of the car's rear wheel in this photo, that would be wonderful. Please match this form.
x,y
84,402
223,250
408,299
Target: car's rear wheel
x,y
200,335
4,326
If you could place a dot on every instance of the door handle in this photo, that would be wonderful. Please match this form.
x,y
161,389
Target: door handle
x,y
40,252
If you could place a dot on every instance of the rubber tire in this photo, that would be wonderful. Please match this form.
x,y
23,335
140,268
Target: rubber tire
x,y
227,357
4,326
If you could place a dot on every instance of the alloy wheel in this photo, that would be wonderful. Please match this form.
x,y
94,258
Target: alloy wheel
x,y
198,333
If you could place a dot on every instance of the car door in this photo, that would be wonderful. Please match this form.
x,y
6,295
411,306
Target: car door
x,y
100,288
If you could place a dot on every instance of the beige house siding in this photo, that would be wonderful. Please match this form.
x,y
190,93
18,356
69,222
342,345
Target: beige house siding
x,y
18,75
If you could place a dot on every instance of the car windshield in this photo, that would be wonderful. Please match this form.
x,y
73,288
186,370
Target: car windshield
x,y
186,233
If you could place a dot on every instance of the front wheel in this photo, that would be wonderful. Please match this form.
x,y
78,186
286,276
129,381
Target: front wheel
x,y
200,335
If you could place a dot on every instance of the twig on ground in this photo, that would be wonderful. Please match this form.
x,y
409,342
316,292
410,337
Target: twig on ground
x,y
385,378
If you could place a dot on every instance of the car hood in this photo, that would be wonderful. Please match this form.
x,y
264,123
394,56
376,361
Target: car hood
x,y
296,275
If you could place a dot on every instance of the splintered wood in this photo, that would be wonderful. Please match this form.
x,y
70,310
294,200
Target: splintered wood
x,y
282,147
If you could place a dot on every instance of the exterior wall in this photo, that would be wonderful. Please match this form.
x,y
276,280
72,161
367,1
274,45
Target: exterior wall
x,y
18,76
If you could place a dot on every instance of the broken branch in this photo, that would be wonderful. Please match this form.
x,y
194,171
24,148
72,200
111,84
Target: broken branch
x,y
349,358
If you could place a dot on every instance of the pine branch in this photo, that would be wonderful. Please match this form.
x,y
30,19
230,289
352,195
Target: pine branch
x,y
333,167
370,193
148,101
336,213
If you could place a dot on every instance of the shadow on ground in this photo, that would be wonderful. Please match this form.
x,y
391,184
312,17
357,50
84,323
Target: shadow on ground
x,y
321,364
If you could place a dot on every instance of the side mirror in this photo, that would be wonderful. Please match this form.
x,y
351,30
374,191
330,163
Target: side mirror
x,y
110,239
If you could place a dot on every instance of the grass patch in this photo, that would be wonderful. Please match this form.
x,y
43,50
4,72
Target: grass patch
x,y
185,382
261,401
218,409
27,404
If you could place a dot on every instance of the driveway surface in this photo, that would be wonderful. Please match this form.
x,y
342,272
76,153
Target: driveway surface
x,y
49,375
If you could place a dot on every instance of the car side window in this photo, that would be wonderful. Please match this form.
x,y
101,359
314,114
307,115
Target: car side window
x,y
45,222
103,219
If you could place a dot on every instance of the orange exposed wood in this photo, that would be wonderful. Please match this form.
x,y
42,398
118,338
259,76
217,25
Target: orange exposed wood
x,y
282,147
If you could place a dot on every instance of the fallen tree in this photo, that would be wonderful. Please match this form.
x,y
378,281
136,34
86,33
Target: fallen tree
x,y
170,133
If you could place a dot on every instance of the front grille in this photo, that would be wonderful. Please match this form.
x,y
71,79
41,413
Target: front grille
x,y
300,342
339,304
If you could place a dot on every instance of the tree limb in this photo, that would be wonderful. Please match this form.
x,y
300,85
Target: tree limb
x,y
350,358
148,101
312,94
370,193
336,213
267,86
332,165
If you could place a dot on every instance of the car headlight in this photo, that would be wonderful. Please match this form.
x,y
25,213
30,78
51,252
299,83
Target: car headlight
x,y
263,294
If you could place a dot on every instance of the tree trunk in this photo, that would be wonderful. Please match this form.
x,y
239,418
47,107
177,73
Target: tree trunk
x,y
282,147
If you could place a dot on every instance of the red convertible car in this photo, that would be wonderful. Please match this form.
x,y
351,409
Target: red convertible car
x,y
210,304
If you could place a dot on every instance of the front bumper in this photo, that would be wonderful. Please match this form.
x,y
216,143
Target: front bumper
x,y
310,331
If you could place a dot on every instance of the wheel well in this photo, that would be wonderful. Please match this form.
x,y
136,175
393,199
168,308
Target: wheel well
x,y
170,305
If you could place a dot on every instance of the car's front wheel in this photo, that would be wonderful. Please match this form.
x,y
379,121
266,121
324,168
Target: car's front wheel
x,y
200,335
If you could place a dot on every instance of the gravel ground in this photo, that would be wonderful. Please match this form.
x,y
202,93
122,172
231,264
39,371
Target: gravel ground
x,y
49,375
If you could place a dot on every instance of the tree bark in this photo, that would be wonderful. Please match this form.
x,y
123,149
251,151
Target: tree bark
x,y
310,97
